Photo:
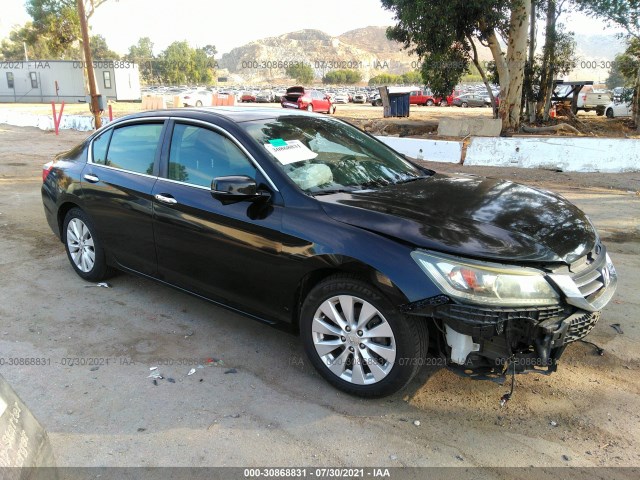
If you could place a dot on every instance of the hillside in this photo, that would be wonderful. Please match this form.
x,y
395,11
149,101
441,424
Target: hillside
x,y
369,51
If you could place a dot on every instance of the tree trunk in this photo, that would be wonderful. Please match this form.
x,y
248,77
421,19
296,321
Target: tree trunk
x,y
546,77
531,58
510,103
483,74
636,101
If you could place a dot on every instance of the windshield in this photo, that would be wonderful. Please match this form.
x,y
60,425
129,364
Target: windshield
x,y
324,155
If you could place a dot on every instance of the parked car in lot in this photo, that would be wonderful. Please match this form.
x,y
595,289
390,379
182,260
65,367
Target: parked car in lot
x,y
470,100
196,98
618,109
264,96
420,97
307,99
376,100
248,97
341,97
360,97
299,218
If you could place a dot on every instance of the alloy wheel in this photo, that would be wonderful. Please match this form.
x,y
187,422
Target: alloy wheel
x,y
81,246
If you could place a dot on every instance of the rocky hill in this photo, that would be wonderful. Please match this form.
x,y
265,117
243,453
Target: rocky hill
x,y
365,49
369,51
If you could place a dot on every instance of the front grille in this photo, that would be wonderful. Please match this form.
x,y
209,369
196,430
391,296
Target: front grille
x,y
581,326
588,275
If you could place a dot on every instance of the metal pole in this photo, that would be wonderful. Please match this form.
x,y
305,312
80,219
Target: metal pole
x,y
95,108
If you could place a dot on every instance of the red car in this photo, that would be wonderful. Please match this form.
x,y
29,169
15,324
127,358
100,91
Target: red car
x,y
248,97
419,97
307,99
449,99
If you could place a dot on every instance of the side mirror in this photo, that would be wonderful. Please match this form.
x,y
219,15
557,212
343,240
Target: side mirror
x,y
236,188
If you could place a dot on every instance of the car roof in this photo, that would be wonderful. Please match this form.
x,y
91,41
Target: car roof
x,y
234,114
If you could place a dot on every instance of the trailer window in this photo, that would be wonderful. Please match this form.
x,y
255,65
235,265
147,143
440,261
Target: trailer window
x,y
34,79
10,83
107,79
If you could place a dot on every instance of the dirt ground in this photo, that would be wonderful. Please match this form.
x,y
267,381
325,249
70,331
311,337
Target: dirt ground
x,y
275,410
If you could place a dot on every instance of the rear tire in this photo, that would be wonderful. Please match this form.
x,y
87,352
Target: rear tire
x,y
198,103
374,351
609,113
310,108
464,104
84,250
429,103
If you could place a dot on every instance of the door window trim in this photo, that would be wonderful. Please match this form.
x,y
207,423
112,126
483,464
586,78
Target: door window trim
x,y
224,133
134,121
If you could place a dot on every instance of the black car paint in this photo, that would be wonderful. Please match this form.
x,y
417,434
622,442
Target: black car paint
x,y
272,252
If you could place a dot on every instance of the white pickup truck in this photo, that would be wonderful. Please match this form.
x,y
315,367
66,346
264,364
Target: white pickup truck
x,y
592,99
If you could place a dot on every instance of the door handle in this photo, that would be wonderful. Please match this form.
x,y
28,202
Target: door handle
x,y
89,177
165,198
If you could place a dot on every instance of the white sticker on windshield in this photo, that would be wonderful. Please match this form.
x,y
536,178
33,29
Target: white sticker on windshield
x,y
291,151
3,406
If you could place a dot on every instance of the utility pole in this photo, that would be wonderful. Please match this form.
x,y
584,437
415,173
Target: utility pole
x,y
91,77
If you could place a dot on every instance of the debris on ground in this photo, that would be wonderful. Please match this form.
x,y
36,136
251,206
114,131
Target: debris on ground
x,y
152,368
566,458
141,429
553,423
617,328
101,284
189,334
155,382
459,457
155,375
231,370
393,457
214,362
171,380
93,369
191,372
416,423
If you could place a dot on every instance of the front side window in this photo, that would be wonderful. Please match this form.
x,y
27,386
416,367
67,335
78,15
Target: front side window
x,y
34,79
10,83
134,147
107,79
324,155
199,155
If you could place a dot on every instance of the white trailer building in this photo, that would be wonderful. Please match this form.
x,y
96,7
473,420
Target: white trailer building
x,y
39,81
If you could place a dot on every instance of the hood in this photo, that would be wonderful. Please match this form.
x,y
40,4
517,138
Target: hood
x,y
471,216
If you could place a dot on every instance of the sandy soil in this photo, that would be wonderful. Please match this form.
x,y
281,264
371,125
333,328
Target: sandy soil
x,y
275,410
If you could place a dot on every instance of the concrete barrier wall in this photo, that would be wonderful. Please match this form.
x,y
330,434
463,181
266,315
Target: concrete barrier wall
x,y
569,154
424,149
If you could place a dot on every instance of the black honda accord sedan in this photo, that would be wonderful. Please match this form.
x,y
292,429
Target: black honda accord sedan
x,y
301,218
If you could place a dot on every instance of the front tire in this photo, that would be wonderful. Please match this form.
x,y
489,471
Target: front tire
x,y
357,340
84,251
310,108
464,105
429,103
609,113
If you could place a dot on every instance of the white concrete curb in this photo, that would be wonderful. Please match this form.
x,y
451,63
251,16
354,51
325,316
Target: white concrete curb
x,y
569,154
82,123
424,149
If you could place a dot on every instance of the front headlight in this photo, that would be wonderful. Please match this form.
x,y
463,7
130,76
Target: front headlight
x,y
487,283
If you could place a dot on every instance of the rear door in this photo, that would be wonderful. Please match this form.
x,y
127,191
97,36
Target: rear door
x,y
116,190
320,102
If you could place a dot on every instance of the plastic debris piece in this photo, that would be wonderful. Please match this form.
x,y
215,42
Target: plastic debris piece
x,y
200,366
155,374
214,362
191,372
231,370
171,380
459,457
553,423
153,368
101,284
617,328
393,457
189,334
416,423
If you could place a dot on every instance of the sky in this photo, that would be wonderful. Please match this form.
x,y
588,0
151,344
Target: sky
x,y
231,24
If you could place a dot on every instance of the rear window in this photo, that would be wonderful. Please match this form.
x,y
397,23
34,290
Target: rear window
x,y
100,145
133,147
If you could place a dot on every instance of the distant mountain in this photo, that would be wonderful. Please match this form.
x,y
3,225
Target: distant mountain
x,y
365,49
369,51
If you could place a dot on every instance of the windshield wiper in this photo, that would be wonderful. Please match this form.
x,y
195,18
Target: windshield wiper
x,y
412,179
331,191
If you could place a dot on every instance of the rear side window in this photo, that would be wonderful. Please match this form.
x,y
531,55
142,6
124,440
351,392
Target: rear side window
x,y
100,145
134,147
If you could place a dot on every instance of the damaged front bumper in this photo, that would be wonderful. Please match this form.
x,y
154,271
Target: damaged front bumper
x,y
526,339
